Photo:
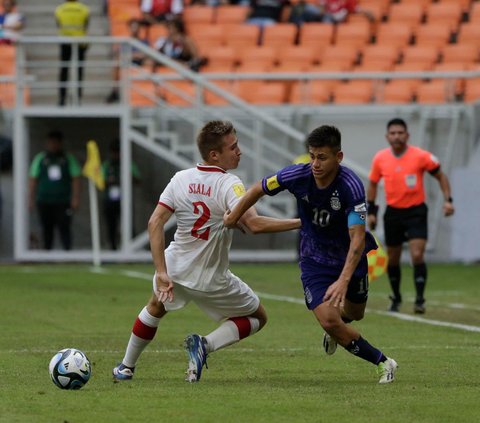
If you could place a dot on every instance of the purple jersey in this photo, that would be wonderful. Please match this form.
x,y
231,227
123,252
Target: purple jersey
x,y
324,213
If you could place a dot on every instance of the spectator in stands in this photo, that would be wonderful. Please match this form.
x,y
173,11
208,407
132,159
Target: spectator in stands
x,y
11,23
72,21
55,189
154,11
179,46
112,205
138,57
337,11
304,11
268,12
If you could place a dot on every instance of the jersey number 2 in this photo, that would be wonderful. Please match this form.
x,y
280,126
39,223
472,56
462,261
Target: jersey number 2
x,y
199,207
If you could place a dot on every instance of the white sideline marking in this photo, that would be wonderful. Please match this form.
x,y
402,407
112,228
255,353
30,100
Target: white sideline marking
x,y
400,316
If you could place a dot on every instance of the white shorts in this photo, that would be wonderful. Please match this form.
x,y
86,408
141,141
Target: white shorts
x,y
236,299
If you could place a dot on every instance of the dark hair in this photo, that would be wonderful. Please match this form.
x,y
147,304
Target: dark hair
x,y
397,121
211,136
178,24
55,136
325,136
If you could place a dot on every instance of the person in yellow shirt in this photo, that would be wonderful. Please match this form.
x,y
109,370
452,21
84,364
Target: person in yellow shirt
x,y
72,21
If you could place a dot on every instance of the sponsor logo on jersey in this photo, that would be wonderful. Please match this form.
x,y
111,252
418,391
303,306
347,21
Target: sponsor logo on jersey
x,y
199,189
239,190
411,181
272,183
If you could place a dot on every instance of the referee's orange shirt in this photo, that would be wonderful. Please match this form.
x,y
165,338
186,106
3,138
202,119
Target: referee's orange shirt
x,y
403,176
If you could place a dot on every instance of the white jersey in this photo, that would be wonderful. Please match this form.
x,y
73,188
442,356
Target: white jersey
x,y
199,197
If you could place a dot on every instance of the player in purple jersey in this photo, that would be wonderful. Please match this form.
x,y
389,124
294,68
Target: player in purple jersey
x,y
334,243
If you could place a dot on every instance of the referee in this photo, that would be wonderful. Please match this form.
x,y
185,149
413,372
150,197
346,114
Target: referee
x,y
402,167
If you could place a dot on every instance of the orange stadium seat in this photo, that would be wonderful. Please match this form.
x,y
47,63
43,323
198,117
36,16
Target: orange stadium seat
x,y
228,14
469,33
474,14
123,13
279,36
380,53
316,36
396,34
310,92
353,92
397,92
141,93
433,34
213,99
420,54
374,66
155,32
357,34
299,55
467,53
266,55
412,67
184,90
340,54
465,4
449,13
221,56
409,13
451,67
198,14
423,3
7,62
472,90
267,93
376,8
253,66
242,36
435,92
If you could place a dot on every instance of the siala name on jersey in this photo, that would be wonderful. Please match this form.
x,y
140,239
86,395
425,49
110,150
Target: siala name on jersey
x,y
199,189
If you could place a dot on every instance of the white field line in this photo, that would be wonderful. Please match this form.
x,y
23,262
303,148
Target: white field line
x,y
401,316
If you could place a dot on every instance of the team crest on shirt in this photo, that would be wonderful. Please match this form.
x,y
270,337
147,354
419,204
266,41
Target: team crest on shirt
x,y
335,201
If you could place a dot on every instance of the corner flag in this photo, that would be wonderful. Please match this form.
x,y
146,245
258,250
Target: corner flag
x,y
93,166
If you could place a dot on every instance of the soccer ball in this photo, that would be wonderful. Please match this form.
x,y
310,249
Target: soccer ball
x,y
70,369
377,262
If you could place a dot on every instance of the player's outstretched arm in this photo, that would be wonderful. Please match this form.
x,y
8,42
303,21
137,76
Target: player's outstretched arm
x,y
263,224
156,233
231,217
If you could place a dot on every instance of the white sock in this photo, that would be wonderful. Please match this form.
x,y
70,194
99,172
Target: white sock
x,y
142,334
231,331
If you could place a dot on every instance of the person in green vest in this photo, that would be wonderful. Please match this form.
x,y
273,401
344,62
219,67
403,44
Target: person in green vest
x,y
112,207
55,190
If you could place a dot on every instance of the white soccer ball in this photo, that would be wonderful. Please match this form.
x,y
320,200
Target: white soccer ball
x,y
70,369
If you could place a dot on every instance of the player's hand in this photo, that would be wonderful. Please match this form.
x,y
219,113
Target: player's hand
x,y
335,295
372,222
227,220
164,290
448,208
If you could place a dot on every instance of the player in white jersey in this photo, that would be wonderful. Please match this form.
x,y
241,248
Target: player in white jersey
x,y
195,265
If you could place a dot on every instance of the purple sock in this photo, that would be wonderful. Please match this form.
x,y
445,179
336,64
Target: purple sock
x,y
361,348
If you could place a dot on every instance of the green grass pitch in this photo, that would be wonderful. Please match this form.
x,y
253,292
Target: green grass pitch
x,y
279,375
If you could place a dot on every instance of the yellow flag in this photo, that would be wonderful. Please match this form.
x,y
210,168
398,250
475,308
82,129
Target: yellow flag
x,y
93,166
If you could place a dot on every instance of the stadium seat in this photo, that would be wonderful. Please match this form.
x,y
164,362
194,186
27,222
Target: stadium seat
x,y
420,54
435,92
423,3
472,90
333,68
407,13
242,36
266,55
279,36
378,9
433,34
221,57
356,34
253,66
465,4
469,33
300,55
141,93
268,93
396,34
340,54
213,99
7,62
184,91
310,92
374,66
353,92
412,67
467,53
316,36
474,14
155,32
123,13
380,53
397,92
449,13
198,14
231,14
452,67
204,33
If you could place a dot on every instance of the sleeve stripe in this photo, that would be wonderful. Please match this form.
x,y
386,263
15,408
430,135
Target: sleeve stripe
x,y
294,173
166,206
354,185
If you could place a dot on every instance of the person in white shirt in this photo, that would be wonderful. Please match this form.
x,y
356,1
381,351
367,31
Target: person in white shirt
x,y
194,267
11,23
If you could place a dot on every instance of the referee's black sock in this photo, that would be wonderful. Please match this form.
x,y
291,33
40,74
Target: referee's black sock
x,y
394,275
420,277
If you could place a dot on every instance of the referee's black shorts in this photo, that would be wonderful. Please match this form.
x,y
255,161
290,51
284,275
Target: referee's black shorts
x,y
401,225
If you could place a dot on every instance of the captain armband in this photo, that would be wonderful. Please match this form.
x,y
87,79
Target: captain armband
x,y
372,208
